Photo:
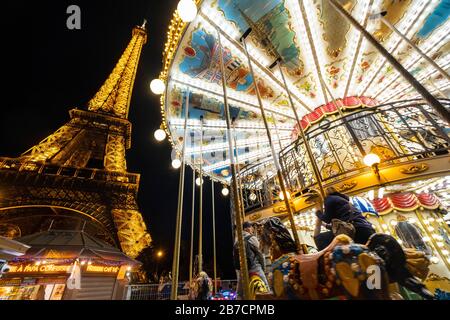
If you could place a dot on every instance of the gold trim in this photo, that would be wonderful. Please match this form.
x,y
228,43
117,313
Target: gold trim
x,y
414,168
347,186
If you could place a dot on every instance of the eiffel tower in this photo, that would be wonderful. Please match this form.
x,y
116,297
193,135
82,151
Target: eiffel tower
x,y
77,177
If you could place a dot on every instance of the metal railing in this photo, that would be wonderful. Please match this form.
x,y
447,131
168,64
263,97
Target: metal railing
x,y
397,132
162,291
22,165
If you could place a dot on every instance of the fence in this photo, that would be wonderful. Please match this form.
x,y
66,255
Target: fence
x,y
162,291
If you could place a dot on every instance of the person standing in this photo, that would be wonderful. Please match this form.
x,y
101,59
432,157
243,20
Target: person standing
x,y
255,258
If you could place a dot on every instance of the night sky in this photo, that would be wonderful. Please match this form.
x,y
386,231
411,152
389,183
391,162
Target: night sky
x,y
48,70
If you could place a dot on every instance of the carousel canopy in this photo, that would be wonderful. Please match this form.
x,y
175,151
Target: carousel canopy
x,y
325,60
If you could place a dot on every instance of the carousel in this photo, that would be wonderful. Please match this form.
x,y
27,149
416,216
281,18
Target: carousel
x,y
278,101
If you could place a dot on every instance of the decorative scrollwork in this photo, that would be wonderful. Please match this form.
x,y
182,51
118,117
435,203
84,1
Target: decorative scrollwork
x,y
414,168
347,186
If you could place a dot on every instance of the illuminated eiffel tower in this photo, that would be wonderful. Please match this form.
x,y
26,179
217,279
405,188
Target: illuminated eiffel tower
x,y
77,177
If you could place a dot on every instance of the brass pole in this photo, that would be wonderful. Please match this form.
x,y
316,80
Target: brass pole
x,y
238,171
200,215
274,155
420,52
302,134
191,256
214,237
176,250
432,101
238,216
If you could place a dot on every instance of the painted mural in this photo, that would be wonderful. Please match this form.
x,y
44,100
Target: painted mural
x,y
201,60
270,25
317,46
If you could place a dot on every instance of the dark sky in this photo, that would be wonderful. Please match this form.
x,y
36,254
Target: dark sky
x,y
48,70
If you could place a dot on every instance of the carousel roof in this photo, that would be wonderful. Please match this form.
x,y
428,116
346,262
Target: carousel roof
x,y
324,59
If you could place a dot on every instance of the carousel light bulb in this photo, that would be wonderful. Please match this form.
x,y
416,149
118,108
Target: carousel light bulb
x,y
431,219
371,195
157,86
393,223
426,239
434,259
176,163
384,226
187,10
159,135
445,252
412,220
371,159
198,181
38,263
83,262
440,244
281,195
380,193
225,191
252,197
431,229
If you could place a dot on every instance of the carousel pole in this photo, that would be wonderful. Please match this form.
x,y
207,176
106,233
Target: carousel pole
x,y
274,155
409,42
200,215
191,256
238,171
214,236
238,216
176,250
302,134
431,100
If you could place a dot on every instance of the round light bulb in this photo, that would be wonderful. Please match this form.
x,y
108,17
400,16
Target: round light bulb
x,y
157,86
176,163
160,135
281,195
371,159
225,191
187,10
198,181
252,196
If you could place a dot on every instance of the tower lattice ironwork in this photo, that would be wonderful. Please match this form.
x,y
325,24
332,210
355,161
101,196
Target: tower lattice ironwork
x,y
77,177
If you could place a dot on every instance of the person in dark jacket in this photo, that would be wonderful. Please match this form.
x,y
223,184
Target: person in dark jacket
x,y
338,206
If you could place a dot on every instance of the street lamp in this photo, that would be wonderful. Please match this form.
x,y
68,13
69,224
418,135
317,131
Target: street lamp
x,y
159,255
372,160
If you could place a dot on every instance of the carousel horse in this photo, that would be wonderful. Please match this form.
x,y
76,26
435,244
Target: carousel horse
x,y
343,270
404,266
